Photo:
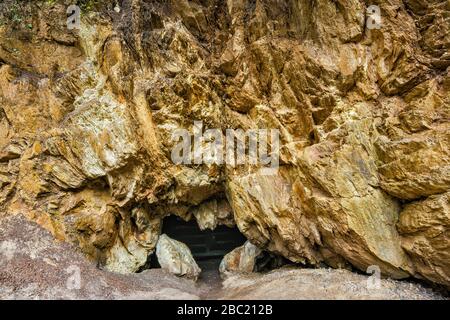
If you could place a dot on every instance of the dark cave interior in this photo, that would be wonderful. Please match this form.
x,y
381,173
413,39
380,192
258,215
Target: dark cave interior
x,y
208,247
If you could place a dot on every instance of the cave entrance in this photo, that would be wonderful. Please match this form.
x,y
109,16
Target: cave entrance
x,y
208,247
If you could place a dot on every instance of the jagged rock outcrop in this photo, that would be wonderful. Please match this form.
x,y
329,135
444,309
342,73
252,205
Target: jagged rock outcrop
x,y
241,259
425,229
87,117
212,213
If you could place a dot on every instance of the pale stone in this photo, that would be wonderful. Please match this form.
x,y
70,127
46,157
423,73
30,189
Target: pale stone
x,y
241,259
212,213
175,257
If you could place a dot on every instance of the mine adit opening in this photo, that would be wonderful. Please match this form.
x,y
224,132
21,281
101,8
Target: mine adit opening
x,y
208,247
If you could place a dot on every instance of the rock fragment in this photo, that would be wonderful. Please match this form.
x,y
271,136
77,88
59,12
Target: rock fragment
x,y
242,259
175,257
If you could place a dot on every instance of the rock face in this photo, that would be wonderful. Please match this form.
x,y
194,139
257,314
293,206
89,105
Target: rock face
x,y
425,229
175,257
87,118
241,259
212,213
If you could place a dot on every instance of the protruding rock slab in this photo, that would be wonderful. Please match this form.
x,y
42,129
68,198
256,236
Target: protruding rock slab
x,y
425,227
176,257
241,259
329,207
212,213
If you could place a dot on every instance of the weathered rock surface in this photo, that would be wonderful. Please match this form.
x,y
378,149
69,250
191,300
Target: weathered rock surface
x,y
87,117
35,266
319,284
425,229
241,259
175,257
212,213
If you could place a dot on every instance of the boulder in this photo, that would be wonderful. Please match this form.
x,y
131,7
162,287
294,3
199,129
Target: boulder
x,y
175,257
241,259
424,227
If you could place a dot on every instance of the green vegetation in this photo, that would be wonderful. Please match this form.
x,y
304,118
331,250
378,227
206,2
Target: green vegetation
x,y
87,5
13,13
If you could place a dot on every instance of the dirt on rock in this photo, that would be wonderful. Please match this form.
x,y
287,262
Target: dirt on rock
x,y
35,266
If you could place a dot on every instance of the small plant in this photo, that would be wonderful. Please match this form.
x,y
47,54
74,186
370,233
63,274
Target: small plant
x,y
15,13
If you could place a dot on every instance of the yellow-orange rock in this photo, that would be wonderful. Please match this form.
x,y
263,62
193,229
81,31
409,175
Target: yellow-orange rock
x,y
87,116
